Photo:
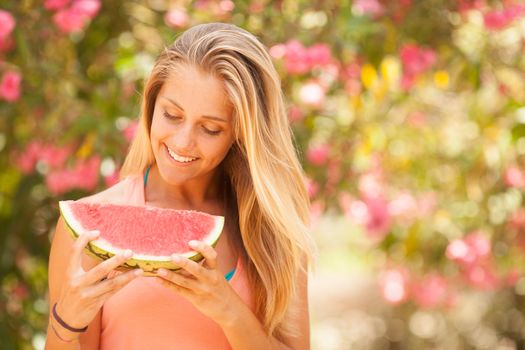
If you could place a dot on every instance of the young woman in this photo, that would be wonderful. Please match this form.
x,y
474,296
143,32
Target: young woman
x,y
213,137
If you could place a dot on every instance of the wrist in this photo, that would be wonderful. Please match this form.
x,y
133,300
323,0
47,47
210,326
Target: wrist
x,y
63,334
66,325
233,316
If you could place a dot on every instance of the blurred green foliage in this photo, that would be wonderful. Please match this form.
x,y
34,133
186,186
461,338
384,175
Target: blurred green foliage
x,y
412,149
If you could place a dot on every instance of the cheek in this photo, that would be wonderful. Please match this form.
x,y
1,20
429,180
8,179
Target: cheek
x,y
220,151
157,129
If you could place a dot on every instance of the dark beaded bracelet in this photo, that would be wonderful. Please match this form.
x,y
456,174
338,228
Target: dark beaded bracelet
x,y
64,324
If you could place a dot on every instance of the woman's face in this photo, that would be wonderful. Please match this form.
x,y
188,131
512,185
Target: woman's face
x,y
192,130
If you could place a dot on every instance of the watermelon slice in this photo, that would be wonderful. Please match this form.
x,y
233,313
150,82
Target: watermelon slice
x,y
153,234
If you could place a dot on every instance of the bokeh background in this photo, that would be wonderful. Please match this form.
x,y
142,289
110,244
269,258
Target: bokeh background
x,y
409,120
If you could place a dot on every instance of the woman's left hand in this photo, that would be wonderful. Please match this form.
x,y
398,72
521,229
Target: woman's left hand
x,y
203,284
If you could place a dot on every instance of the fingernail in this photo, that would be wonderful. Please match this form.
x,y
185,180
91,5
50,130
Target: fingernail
x,y
176,258
162,272
127,253
193,244
95,233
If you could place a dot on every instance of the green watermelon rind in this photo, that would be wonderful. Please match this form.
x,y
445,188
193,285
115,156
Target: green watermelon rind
x,y
149,264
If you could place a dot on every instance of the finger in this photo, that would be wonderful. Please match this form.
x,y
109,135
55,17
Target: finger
x,y
207,251
190,266
114,284
178,288
178,279
104,268
79,245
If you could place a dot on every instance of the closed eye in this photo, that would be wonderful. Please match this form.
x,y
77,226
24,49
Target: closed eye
x,y
211,132
169,116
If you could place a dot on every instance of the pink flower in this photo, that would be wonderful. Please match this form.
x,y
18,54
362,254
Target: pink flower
x,y
55,4
479,244
370,213
295,113
112,179
467,5
319,55
372,8
431,291
300,60
499,19
20,291
10,86
75,18
53,156
226,5
88,8
278,51
406,208
87,173
378,224
512,277
459,251
26,160
403,205
295,58
176,18
517,220
514,177
415,60
202,4
318,154
481,276
353,87
370,184
256,7
83,176
312,94
130,130
355,210
393,284
471,250
7,24
70,21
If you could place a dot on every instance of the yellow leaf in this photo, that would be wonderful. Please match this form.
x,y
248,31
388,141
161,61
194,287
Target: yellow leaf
x,y
368,75
390,70
87,147
441,79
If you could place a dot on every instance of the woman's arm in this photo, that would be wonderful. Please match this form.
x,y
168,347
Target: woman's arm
x,y
59,258
78,292
244,330
209,292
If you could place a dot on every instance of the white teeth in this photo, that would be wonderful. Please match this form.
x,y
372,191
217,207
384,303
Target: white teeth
x,y
179,158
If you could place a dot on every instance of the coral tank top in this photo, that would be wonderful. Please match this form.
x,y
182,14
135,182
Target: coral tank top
x,y
147,315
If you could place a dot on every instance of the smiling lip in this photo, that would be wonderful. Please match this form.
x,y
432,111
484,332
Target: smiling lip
x,y
178,158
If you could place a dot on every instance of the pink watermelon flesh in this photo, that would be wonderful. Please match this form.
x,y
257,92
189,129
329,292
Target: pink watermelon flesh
x,y
144,230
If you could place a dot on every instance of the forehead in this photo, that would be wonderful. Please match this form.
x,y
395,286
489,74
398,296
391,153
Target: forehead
x,y
197,92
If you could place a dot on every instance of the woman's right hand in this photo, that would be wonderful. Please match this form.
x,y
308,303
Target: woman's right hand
x,y
84,292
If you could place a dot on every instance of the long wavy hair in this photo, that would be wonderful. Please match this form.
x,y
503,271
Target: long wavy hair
x,y
267,203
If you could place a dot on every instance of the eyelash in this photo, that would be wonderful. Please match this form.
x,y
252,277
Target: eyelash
x,y
209,132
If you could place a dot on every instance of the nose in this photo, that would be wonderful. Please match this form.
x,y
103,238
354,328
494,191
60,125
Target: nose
x,y
183,139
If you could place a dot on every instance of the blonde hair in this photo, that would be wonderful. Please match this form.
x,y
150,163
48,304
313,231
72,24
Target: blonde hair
x,y
268,201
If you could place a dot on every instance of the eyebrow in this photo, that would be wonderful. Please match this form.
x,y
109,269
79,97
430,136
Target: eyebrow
x,y
182,109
